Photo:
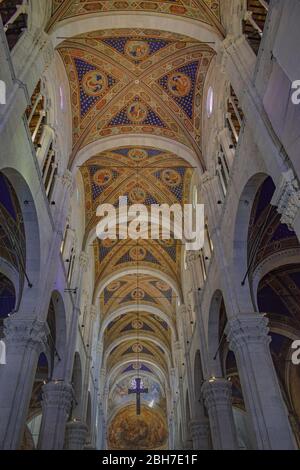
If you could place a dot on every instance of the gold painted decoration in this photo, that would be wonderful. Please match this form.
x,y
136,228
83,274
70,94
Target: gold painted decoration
x,y
137,50
137,195
137,324
137,154
179,84
137,112
137,348
128,431
138,253
171,178
162,286
138,294
103,177
94,83
114,286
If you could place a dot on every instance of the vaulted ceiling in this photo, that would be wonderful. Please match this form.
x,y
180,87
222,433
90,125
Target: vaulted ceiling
x,y
206,11
136,83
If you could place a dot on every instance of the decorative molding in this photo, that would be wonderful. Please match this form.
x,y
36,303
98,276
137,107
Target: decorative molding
x,y
191,258
25,332
217,392
287,198
67,180
246,330
83,261
59,395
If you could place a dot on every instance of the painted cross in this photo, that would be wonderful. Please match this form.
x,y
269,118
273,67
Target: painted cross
x,y
138,391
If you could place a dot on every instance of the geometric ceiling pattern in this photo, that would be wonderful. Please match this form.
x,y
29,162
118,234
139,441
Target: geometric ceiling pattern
x,y
137,292
136,82
206,11
140,175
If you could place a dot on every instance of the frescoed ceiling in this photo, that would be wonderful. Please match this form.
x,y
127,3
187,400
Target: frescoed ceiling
x,y
145,176
206,11
130,432
139,290
136,82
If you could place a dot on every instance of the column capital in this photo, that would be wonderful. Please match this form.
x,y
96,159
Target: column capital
x,y
231,41
25,331
191,258
67,180
83,261
58,395
246,329
287,198
206,177
217,392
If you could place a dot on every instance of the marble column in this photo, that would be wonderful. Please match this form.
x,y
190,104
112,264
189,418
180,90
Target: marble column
x,y
199,430
217,397
76,433
56,405
287,200
249,340
25,339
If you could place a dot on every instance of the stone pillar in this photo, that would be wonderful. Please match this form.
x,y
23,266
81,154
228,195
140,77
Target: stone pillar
x,y
25,339
217,398
76,433
249,340
56,405
200,433
287,200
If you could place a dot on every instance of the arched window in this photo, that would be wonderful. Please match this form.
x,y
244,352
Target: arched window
x,y
210,102
12,240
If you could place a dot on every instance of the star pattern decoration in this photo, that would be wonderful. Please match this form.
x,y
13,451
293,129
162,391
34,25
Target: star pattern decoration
x,y
135,172
128,82
147,83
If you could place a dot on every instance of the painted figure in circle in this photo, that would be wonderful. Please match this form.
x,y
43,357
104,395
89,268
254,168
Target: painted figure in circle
x,y
137,50
102,177
179,84
137,112
171,177
94,83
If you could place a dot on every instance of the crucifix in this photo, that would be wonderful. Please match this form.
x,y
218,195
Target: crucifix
x,y
138,391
